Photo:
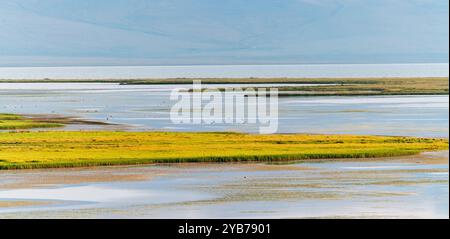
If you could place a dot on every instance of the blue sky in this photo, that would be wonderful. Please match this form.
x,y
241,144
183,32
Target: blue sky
x,y
178,32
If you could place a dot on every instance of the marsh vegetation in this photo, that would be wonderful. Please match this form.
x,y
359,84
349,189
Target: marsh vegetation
x,y
24,150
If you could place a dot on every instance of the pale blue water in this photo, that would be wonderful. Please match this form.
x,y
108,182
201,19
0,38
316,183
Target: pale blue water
x,y
147,107
222,71
395,188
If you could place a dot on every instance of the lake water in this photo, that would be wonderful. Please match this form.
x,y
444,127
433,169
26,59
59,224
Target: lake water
x,y
407,187
147,107
230,71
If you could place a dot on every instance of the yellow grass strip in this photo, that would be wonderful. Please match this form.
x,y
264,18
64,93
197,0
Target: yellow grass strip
x,y
26,150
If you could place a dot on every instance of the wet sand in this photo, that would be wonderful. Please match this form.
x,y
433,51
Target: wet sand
x,y
403,187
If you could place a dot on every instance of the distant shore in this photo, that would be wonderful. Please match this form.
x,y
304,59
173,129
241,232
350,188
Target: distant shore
x,y
322,87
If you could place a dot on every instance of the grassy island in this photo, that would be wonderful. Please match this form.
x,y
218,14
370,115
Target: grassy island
x,y
356,86
325,87
26,150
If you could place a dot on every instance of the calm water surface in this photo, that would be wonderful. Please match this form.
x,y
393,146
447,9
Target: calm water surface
x,y
411,187
221,71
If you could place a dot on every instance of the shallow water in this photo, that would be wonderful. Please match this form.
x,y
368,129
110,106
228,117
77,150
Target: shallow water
x,y
407,187
224,71
146,107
